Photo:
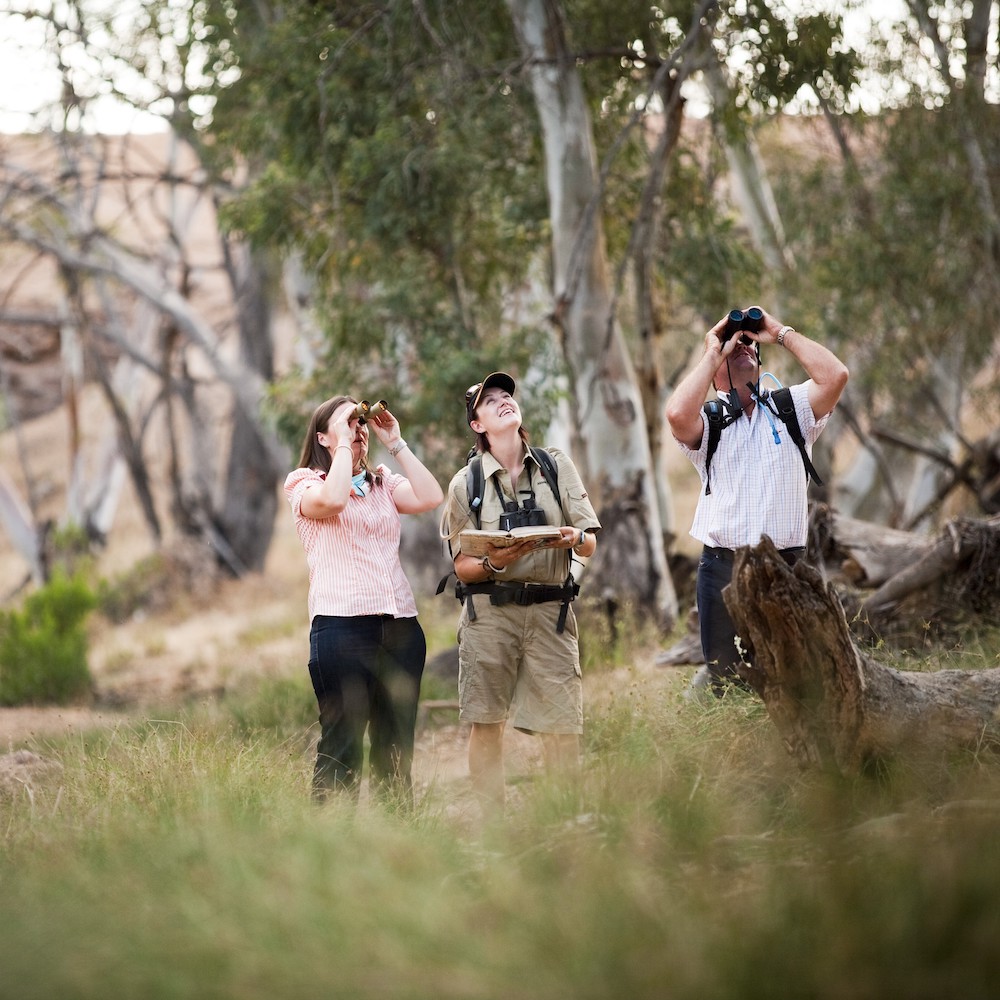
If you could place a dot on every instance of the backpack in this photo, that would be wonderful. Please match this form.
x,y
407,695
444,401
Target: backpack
x,y
475,485
778,402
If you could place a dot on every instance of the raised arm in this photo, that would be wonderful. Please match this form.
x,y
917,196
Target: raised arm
x,y
827,373
683,410
421,491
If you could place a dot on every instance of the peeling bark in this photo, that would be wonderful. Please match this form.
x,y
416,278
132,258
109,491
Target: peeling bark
x,y
958,568
835,707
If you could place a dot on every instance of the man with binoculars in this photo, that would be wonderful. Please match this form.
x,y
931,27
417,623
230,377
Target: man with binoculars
x,y
756,485
518,649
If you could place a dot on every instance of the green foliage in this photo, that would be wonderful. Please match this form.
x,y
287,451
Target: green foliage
x,y
71,549
893,271
388,149
43,646
143,587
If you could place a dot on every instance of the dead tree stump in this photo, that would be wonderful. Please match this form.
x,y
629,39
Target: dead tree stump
x,y
834,706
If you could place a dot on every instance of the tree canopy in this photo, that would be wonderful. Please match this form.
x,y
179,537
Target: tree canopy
x,y
392,157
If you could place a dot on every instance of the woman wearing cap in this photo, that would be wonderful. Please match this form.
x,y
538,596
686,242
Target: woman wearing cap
x,y
518,652
366,647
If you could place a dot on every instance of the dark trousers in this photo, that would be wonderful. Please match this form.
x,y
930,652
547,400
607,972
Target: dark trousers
x,y
366,674
718,633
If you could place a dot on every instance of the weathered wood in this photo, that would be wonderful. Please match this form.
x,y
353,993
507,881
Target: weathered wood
x,y
835,707
687,650
941,558
958,568
866,554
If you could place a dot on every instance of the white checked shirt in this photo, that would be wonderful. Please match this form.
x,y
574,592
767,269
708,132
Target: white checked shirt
x,y
758,487
353,556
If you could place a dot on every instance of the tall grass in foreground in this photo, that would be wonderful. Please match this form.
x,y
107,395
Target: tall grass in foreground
x,y
183,859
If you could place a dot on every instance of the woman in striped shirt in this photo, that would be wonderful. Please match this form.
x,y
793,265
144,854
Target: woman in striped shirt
x,y
366,647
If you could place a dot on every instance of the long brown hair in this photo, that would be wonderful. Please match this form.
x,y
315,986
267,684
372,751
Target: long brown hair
x,y
314,455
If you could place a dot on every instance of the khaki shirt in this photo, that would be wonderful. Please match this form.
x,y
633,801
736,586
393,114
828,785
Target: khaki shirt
x,y
545,566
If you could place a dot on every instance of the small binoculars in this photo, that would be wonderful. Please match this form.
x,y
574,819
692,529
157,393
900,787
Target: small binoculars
x,y
364,411
739,320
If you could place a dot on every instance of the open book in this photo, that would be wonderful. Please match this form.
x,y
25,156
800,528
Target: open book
x,y
475,541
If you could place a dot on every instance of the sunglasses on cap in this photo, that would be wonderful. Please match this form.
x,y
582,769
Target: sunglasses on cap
x,y
470,393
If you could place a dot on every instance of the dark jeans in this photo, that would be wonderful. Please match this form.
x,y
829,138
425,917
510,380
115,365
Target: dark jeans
x,y
718,633
366,674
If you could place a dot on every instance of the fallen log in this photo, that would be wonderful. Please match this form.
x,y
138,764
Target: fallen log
x,y
864,553
911,578
834,706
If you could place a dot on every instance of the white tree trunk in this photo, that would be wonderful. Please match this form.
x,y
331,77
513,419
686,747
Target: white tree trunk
x,y
752,191
613,452
17,521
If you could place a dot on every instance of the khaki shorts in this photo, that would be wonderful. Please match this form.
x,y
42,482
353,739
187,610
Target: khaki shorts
x,y
514,664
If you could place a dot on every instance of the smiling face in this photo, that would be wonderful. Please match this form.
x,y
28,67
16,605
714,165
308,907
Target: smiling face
x,y
497,411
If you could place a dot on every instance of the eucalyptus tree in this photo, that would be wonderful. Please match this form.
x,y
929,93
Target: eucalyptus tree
x,y
901,242
395,162
437,166
115,232
444,217
403,164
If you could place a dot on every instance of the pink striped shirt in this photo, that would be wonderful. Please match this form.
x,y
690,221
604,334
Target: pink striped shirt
x,y
353,556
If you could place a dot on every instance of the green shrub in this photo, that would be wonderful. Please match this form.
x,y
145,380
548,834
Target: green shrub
x,y
146,586
43,646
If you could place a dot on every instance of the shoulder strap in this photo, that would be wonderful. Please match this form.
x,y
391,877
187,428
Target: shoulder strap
x,y
785,408
475,481
548,466
474,488
714,416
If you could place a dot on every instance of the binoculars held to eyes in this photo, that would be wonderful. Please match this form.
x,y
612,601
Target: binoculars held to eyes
x,y
739,320
364,411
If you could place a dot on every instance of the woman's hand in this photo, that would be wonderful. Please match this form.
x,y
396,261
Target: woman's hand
x,y
569,538
503,555
581,542
342,428
386,428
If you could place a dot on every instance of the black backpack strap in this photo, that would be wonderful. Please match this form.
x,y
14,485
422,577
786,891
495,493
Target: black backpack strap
x,y
548,466
715,418
785,409
475,486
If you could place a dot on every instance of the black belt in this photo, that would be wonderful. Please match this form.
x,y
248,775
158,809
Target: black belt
x,y
522,594
790,555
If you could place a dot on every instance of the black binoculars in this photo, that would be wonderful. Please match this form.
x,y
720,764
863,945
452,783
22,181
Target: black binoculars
x,y
739,320
527,516
364,411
